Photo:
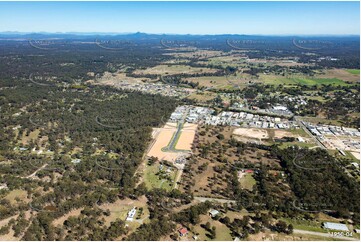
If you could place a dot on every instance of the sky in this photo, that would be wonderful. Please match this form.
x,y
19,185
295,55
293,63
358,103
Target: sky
x,y
265,18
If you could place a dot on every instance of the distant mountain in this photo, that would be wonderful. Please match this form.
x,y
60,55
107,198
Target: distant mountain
x,y
139,35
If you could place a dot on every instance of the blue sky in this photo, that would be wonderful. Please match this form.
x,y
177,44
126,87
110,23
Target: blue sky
x,y
267,18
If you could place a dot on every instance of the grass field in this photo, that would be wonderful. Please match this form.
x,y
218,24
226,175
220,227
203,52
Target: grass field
x,y
13,195
153,181
300,80
299,132
321,120
305,225
202,97
222,82
351,75
223,233
353,71
247,181
300,144
350,156
319,81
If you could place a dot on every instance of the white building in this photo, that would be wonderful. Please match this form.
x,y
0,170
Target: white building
x,y
280,108
131,214
335,226
213,213
300,139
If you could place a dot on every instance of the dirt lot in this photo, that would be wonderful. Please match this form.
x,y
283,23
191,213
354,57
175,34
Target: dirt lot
x,y
251,133
164,135
186,138
356,154
162,139
278,134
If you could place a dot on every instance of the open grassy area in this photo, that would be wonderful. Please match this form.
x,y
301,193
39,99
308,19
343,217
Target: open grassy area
x,y
299,80
247,181
300,144
202,97
154,181
321,120
350,75
318,81
305,225
31,137
223,233
13,195
222,82
351,157
299,132
225,61
353,71
175,69
120,209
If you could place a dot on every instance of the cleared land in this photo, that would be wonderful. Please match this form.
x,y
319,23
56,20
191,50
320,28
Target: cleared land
x,y
113,79
15,195
356,155
247,181
154,178
162,139
196,53
174,69
300,80
186,138
251,133
351,75
202,96
120,209
223,82
353,71
164,136
223,233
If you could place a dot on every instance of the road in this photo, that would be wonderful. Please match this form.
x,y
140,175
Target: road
x,y
173,142
31,176
298,231
309,133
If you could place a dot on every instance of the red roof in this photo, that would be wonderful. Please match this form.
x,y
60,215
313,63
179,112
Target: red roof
x,y
249,171
183,231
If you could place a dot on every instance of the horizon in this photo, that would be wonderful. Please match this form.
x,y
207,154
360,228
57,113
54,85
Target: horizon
x,y
175,34
183,18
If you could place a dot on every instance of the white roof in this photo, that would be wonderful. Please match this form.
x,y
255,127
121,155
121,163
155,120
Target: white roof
x,y
335,226
131,214
214,212
283,108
